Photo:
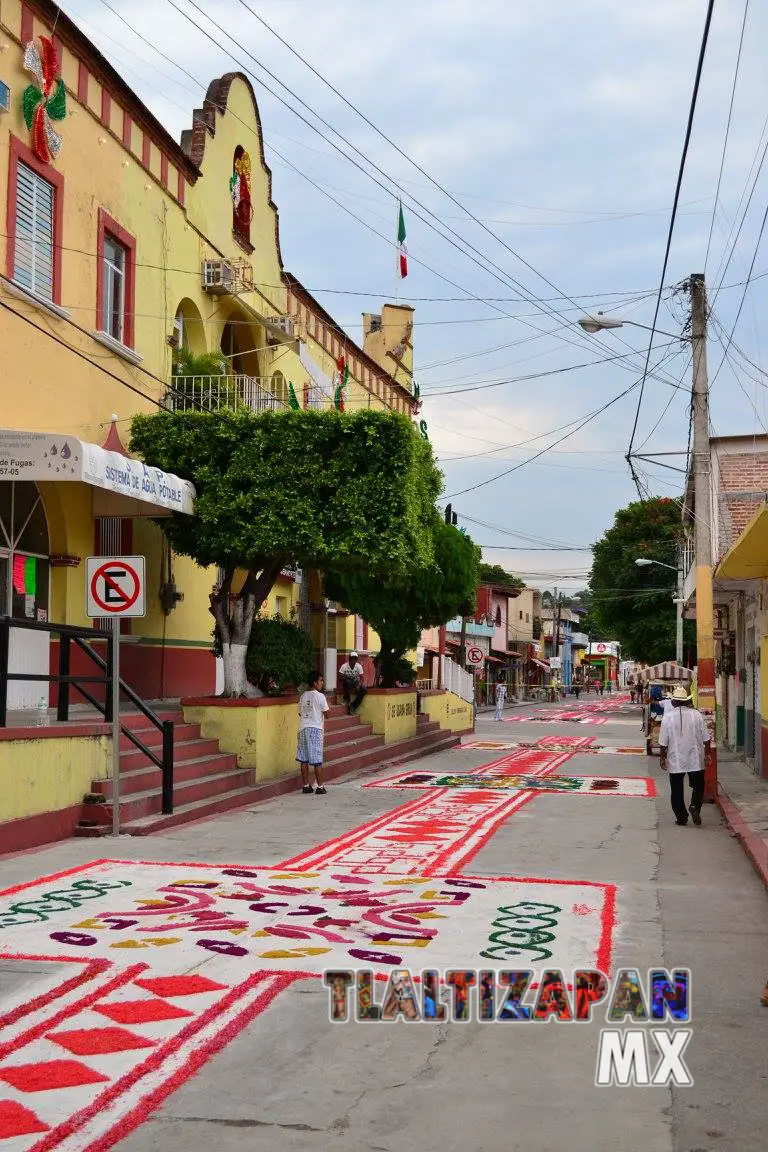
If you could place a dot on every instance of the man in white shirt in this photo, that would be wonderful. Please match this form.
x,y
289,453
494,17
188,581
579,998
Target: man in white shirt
x,y
501,695
682,740
352,687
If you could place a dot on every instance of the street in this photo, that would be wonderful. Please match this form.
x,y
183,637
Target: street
x,y
173,1000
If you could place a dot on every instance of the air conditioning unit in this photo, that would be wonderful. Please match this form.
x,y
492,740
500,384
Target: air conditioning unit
x,y
284,323
5,97
218,277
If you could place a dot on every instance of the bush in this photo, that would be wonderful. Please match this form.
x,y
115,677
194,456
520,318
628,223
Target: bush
x,y
280,655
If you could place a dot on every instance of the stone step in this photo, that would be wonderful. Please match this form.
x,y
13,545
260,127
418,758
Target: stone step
x,y
197,760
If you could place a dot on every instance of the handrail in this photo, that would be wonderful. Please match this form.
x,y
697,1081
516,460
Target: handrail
x,y
69,633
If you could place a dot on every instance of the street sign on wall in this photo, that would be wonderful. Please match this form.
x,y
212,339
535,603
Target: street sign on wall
x,y
115,586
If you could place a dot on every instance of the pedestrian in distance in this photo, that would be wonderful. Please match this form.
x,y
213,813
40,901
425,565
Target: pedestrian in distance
x,y
352,687
682,741
600,686
501,695
309,753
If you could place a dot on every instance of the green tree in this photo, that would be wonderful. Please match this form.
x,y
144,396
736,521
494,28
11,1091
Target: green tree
x,y
633,604
353,491
495,574
399,609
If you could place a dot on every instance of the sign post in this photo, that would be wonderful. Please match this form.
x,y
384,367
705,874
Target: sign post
x,y
115,589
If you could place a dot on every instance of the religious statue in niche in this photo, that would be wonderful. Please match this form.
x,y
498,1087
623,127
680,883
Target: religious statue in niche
x,y
45,100
240,189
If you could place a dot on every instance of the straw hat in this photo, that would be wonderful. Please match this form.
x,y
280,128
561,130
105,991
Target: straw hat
x,y
680,695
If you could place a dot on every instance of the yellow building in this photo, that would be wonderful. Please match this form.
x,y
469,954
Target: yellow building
x,y
122,253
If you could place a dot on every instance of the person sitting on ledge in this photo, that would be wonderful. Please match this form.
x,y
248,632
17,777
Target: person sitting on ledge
x,y
352,683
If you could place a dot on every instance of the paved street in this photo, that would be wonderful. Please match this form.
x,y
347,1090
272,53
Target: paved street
x,y
169,1005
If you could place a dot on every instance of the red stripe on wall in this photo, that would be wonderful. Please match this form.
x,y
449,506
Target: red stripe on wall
x,y
82,83
27,24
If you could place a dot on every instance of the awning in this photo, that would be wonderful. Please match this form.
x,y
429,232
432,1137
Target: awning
x,y
747,559
42,456
668,670
493,660
540,664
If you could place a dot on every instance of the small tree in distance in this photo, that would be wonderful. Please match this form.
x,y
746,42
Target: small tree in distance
x,y
429,596
352,491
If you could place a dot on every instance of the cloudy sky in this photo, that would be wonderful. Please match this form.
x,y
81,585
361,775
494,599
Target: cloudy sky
x,y
560,128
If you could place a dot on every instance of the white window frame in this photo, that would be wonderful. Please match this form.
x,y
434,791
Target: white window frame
x,y
115,276
34,233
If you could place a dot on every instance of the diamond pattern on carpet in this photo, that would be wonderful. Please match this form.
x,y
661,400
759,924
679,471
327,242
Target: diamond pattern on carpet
x,y
99,1041
140,1011
16,1120
50,1074
179,985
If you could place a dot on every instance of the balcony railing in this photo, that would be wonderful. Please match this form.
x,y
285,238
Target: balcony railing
x,y
209,393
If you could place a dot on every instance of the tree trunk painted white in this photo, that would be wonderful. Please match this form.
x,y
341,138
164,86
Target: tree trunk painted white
x,y
235,679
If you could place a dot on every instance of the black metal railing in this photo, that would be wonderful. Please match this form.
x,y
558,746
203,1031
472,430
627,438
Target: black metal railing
x,y
70,635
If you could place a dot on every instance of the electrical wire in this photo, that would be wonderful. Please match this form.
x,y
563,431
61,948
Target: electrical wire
x,y
467,248
678,186
727,133
591,416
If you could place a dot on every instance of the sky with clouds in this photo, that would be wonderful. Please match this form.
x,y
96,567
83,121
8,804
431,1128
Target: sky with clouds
x,y
559,127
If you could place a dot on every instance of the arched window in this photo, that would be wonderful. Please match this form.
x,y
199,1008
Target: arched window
x,y
498,617
240,188
24,552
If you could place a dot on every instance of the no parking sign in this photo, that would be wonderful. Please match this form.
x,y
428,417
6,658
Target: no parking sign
x,y
115,586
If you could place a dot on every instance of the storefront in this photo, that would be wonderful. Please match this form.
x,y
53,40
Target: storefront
x,y
61,500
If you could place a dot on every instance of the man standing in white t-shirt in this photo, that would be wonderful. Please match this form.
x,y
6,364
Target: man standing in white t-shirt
x,y
682,740
309,753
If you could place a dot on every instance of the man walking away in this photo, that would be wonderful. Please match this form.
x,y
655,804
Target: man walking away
x,y
682,740
352,687
501,695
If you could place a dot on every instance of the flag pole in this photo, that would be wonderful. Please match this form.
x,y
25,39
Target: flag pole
x,y
397,256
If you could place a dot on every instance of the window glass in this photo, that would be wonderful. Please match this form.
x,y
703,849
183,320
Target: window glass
x,y
113,317
34,235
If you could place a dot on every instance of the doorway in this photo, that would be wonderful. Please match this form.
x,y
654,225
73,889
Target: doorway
x,y
25,587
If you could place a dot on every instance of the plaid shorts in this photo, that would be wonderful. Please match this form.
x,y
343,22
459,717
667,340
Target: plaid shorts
x,y
310,746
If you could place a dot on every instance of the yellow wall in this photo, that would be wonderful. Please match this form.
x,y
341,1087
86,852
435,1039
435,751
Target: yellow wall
x,y
48,388
46,775
390,712
450,711
263,737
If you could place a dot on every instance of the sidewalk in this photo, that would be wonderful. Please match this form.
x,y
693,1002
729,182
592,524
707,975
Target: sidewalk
x,y
743,801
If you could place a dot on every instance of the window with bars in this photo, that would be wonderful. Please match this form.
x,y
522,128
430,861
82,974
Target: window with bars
x,y
33,262
114,296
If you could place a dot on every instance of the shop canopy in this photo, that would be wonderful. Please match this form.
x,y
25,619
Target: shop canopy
x,y
668,670
53,457
747,559
540,664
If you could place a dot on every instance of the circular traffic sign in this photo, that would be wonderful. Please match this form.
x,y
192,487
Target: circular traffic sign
x,y
121,587
475,655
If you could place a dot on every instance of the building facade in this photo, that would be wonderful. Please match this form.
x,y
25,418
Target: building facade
x,y
739,467
125,257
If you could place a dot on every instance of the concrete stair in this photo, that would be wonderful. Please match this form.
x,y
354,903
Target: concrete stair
x,y
208,781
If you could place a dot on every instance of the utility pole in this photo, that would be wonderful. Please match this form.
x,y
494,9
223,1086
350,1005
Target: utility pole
x,y
702,467
679,637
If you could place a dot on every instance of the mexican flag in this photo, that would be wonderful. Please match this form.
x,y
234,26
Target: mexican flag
x,y
402,246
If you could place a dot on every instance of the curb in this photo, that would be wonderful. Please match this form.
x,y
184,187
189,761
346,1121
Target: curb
x,y
755,847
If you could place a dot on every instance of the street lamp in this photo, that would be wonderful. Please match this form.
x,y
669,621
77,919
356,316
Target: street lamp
x,y
643,562
601,323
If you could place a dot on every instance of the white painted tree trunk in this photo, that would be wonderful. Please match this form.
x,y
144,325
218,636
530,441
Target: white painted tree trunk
x,y
235,679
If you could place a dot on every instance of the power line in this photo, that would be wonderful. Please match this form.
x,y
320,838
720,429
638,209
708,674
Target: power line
x,y
727,134
467,248
689,127
592,415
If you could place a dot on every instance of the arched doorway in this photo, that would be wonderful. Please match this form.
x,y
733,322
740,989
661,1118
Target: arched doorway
x,y
25,586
